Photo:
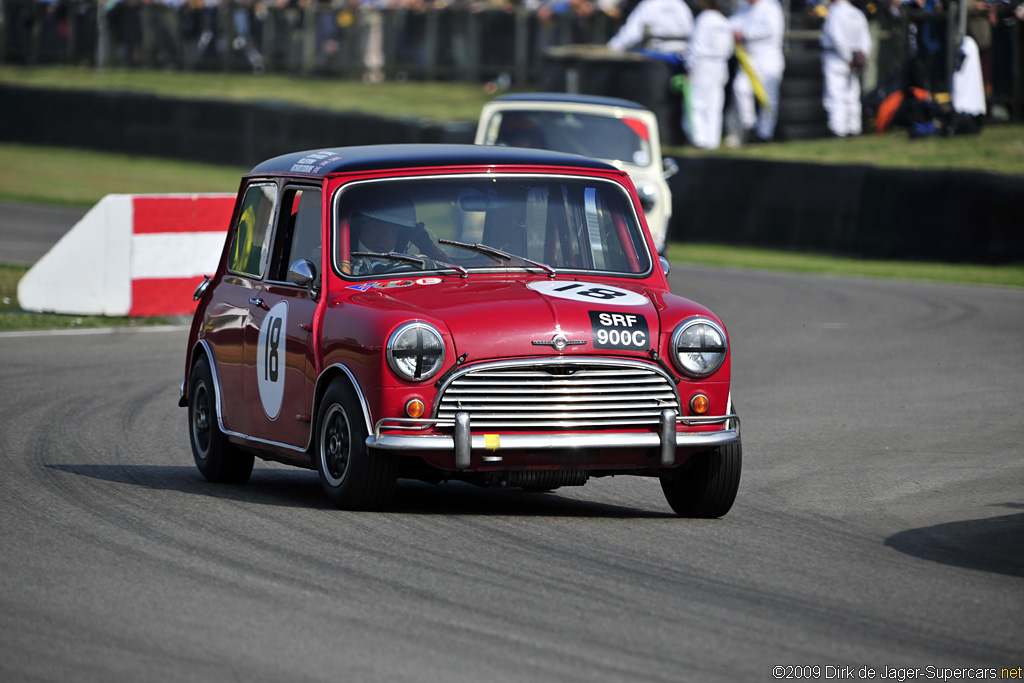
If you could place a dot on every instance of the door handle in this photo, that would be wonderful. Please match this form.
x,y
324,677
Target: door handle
x,y
256,302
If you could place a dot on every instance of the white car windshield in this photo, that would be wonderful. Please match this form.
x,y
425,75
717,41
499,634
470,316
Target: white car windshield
x,y
601,137
462,224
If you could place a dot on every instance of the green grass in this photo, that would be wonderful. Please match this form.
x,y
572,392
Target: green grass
x,y
444,101
52,175
999,148
764,259
12,318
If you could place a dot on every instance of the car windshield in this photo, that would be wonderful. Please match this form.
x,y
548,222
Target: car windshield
x,y
601,137
542,224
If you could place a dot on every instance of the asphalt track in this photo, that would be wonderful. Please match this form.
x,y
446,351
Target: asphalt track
x,y
880,522
27,231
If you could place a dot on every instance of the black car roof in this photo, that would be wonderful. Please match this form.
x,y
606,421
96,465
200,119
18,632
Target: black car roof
x,y
322,162
561,97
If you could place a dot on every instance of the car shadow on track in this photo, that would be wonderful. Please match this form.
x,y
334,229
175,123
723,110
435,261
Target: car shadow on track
x,y
991,545
300,489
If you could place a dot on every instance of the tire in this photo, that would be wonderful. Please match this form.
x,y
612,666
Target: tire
x,y
706,487
803,65
352,478
801,87
801,110
219,460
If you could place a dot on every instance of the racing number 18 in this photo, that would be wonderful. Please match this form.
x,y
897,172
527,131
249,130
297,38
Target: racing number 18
x,y
271,360
592,292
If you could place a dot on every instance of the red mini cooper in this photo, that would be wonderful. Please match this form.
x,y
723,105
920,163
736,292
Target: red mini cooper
x,y
486,314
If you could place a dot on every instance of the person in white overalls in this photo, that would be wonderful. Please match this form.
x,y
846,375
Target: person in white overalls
x,y
760,28
707,62
847,44
660,25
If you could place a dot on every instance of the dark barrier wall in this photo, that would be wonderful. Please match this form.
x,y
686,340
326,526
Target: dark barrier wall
x,y
862,211
230,133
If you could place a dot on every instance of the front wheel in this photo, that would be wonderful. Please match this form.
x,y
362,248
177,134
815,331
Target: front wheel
x,y
219,460
352,478
706,485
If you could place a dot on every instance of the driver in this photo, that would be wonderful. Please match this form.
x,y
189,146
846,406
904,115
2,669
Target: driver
x,y
384,222
376,234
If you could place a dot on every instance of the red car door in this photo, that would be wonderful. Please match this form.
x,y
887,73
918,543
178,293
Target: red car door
x,y
229,313
280,368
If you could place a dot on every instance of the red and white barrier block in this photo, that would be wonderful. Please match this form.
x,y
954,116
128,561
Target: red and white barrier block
x,y
134,255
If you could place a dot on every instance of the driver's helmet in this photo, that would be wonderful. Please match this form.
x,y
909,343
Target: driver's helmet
x,y
383,208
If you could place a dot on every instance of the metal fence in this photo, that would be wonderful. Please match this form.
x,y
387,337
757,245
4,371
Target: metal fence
x,y
453,43
348,39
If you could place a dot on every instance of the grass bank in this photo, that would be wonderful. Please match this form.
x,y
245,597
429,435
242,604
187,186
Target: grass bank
x,y
764,259
998,149
73,177
442,101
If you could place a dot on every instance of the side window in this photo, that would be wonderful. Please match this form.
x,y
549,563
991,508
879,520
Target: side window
x,y
250,241
613,245
298,233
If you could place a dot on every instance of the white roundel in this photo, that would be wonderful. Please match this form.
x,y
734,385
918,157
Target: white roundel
x,y
588,292
270,359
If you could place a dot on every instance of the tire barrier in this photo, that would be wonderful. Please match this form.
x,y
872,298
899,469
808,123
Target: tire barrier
x,y
131,255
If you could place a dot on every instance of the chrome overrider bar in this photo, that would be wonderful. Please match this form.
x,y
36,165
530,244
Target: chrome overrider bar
x,y
667,437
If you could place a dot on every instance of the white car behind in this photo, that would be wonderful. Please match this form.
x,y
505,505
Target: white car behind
x,y
615,130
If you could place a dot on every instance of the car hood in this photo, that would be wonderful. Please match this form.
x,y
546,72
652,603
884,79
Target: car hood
x,y
490,318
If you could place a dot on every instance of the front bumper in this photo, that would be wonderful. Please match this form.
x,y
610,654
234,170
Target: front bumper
x,y
667,438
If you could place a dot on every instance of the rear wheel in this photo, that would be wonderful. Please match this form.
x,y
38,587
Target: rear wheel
x,y
352,478
219,460
706,486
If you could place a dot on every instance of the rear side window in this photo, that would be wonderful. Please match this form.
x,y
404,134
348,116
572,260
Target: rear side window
x,y
298,231
251,237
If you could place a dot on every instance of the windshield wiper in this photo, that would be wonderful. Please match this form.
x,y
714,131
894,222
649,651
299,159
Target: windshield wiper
x,y
499,254
451,266
422,263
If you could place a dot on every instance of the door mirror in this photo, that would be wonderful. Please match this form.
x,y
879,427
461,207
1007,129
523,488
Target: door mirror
x,y
670,168
303,274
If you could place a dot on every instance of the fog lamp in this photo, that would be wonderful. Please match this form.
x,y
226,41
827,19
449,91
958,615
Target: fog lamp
x,y
415,408
699,404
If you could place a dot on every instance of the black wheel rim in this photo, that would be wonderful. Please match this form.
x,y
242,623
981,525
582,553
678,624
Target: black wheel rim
x,y
202,413
335,445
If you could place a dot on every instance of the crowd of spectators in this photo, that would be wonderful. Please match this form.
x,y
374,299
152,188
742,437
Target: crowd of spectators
x,y
375,39
188,32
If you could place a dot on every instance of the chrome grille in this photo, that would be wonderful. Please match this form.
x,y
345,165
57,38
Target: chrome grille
x,y
568,394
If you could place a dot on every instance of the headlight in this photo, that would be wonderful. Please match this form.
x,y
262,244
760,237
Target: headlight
x,y
416,351
699,347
